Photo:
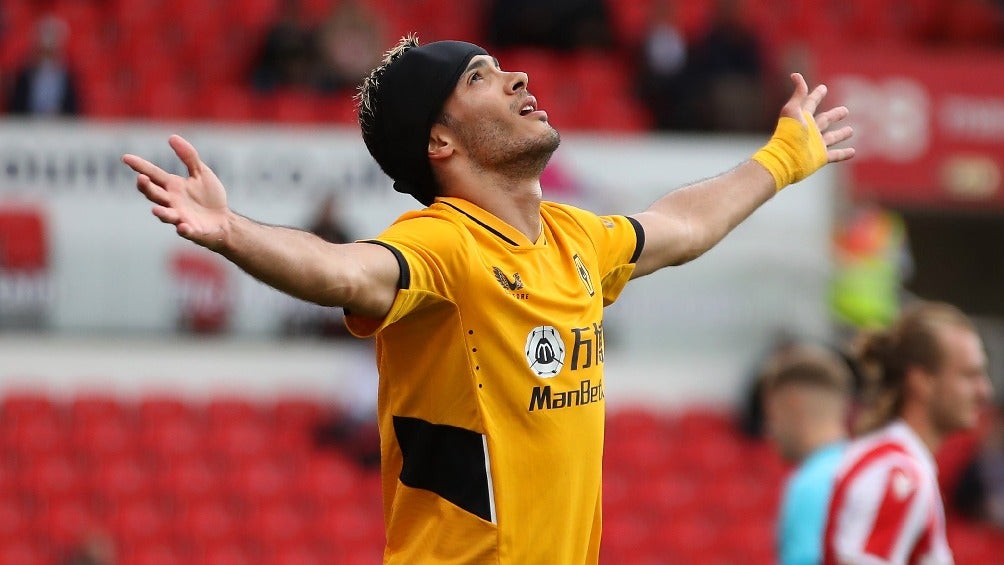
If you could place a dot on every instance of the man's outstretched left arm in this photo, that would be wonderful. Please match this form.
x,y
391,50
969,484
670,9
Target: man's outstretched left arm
x,y
685,223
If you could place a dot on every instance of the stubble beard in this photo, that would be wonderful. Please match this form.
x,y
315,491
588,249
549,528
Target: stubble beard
x,y
493,149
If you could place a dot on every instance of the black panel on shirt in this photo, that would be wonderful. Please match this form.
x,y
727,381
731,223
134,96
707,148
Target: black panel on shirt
x,y
404,279
639,233
446,460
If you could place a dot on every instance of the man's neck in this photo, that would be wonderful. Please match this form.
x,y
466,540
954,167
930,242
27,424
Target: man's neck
x,y
816,437
924,428
515,202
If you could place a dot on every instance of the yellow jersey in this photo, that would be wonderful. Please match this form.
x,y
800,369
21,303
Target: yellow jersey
x,y
491,403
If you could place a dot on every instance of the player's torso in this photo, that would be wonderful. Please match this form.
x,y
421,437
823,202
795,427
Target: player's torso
x,y
516,355
534,317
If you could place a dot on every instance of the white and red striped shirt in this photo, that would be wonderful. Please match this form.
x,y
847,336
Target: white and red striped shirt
x,y
886,507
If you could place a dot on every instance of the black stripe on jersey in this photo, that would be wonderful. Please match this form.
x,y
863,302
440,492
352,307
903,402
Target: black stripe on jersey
x,y
404,280
446,460
639,233
484,225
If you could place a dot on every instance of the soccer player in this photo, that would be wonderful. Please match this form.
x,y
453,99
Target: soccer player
x,y
488,303
807,394
928,378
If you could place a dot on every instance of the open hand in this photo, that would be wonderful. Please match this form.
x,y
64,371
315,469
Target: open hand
x,y
196,206
803,104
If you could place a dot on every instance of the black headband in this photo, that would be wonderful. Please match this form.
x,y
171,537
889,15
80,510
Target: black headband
x,y
410,96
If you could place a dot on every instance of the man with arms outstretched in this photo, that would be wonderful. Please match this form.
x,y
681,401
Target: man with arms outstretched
x,y
487,304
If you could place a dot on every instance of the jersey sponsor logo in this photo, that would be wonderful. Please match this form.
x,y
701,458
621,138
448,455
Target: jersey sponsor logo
x,y
608,224
545,398
545,351
584,275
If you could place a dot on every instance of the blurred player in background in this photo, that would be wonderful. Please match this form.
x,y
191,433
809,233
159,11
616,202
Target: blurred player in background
x,y
926,378
487,304
807,393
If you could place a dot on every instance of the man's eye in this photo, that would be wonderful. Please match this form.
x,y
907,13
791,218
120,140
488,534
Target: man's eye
x,y
475,76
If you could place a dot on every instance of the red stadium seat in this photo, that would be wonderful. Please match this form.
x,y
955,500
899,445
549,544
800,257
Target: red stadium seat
x,y
189,480
228,552
260,482
155,410
209,522
229,103
66,521
277,524
123,479
88,408
171,439
22,552
13,521
141,521
224,411
21,406
328,482
53,476
101,439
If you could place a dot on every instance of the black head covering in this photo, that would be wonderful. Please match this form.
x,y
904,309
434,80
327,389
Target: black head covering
x,y
410,96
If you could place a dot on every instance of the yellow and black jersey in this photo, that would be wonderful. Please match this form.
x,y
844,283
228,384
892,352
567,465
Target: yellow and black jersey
x,y
491,383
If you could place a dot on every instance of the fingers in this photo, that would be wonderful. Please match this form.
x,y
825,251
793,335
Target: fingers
x,y
144,167
814,98
153,193
837,155
830,117
836,136
166,215
187,153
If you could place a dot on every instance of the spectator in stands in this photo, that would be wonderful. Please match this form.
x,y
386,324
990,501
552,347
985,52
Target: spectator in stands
x,y
807,394
727,74
349,43
46,86
980,491
926,377
286,57
555,24
662,80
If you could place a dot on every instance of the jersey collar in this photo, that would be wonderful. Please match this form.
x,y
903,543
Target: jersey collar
x,y
490,222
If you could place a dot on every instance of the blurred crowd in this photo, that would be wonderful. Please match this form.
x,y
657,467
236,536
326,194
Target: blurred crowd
x,y
715,65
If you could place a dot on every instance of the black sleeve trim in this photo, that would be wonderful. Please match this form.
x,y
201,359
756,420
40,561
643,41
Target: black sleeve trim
x,y
639,233
404,280
446,460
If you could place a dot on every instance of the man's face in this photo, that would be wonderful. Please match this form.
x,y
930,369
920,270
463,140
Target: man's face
x,y
497,122
783,415
961,388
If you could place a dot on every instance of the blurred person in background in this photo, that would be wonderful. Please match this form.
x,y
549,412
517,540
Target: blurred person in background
x,y
727,70
555,24
46,86
872,261
662,80
487,305
286,57
925,378
348,44
807,392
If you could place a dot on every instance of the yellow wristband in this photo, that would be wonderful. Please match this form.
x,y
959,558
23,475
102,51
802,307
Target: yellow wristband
x,y
795,151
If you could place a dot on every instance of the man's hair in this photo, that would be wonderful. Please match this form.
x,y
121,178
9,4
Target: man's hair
x,y
885,357
807,365
366,97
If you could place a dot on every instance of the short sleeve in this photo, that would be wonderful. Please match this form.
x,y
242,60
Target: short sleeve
x,y
430,252
618,242
883,514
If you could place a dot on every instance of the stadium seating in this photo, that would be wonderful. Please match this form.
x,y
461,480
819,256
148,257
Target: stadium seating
x,y
231,481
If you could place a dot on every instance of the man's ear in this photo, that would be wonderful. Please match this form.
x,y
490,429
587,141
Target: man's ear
x,y
440,142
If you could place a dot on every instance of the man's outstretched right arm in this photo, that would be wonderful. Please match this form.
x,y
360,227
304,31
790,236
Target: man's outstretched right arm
x,y
359,276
